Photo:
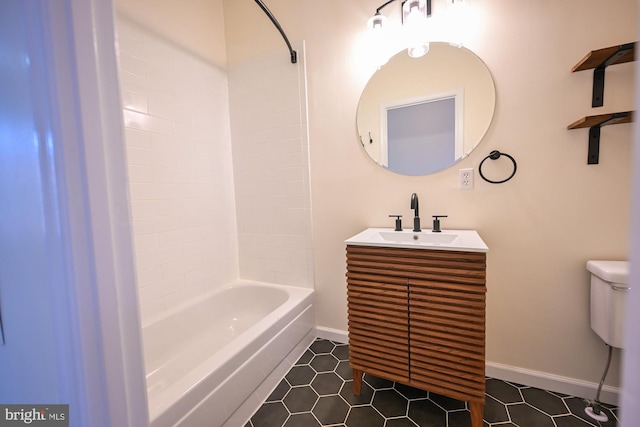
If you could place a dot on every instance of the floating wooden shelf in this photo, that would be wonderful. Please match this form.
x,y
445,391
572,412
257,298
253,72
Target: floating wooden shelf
x,y
599,60
594,123
602,120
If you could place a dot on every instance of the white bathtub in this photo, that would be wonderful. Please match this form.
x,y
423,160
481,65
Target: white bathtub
x,y
204,359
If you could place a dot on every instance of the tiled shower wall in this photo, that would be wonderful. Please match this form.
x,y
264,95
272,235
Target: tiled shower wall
x,y
176,117
271,168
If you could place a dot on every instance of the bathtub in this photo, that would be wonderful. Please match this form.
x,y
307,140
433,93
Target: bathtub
x,y
204,359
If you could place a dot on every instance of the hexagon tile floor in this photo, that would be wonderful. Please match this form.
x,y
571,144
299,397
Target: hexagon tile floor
x,y
317,391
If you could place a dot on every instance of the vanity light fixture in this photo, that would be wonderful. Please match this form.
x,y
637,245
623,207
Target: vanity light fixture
x,y
414,24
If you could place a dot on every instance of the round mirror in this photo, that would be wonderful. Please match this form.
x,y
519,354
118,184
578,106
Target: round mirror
x,y
421,115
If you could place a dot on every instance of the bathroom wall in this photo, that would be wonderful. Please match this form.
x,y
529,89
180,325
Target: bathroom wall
x,y
542,226
176,114
194,25
271,168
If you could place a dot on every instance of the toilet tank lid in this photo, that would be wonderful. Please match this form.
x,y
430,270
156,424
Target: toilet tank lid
x,y
611,271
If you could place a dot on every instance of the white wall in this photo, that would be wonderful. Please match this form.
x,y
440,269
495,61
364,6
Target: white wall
x,y
176,116
542,226
195,25
271,168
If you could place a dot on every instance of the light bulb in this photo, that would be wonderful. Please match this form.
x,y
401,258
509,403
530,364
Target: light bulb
x,y
413,10
377,22
378,39
415,27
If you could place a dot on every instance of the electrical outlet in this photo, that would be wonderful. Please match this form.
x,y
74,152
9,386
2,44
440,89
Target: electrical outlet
x,y
466,179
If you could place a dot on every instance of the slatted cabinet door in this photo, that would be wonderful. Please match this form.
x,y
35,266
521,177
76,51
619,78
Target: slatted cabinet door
x,y
447,326
378,316
448,338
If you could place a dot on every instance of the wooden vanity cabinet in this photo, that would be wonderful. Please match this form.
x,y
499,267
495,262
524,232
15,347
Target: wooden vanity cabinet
x,y
417,317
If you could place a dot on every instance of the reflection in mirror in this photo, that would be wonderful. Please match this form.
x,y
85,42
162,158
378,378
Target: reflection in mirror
x,y
421,115
420,146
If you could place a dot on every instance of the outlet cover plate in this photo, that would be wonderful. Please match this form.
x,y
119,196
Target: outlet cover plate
x,y
466,179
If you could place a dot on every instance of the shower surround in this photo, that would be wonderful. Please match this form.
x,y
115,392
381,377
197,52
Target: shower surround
x,y
176,116
204,217
193,229
268,104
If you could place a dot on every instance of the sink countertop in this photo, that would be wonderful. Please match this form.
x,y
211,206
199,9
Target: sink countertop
x,y
447,240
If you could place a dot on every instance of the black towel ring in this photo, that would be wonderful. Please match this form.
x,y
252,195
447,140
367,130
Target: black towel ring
x,y
495,155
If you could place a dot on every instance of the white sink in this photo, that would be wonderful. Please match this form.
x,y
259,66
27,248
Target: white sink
x,y
447,240
421,237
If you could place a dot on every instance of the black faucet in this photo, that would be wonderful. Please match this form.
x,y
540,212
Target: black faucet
x,y
416,216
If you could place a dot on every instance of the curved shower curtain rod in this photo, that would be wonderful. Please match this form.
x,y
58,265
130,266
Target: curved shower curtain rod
x,y
294,55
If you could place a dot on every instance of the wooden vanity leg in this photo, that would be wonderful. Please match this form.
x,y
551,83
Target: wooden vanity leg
x,y
477,413
357,381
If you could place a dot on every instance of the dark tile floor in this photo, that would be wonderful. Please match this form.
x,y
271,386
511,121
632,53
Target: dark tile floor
x,y
317,391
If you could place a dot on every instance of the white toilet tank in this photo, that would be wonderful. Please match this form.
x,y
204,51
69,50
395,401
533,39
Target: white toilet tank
x,y
609,292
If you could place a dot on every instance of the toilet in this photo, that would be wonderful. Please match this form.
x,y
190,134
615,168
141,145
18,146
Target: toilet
x,y
609,294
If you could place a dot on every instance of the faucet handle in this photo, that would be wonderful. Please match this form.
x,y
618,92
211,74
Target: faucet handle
x,y
398,222
436,223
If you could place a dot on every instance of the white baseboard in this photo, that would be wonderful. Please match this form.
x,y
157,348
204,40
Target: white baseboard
x,y
543,380
552,382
